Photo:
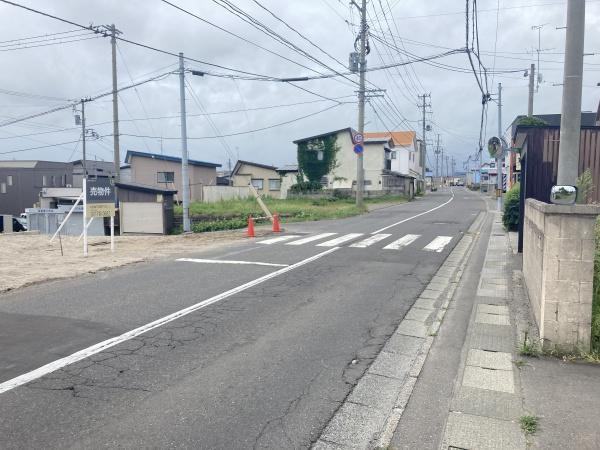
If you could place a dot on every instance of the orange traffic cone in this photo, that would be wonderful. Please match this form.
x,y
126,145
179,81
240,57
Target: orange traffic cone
x,y
276,223
250,226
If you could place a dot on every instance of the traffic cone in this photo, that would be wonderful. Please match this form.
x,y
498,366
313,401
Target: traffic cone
x,y
250,226
276,223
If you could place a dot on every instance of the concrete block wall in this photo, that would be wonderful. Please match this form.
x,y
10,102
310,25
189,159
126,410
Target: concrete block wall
x,y
558,266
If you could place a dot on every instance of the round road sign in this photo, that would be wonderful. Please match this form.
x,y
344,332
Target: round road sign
x,y
358,149
358,138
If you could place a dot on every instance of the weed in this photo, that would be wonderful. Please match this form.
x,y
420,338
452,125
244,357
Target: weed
x,y
529,348
529,424
519,363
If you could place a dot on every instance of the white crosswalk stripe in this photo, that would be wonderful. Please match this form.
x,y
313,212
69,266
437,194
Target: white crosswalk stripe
x,y
438,244
340,240
370,240
308,239
402,242
279,239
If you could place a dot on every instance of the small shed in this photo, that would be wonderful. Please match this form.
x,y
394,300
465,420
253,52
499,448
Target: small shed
x,y
145,209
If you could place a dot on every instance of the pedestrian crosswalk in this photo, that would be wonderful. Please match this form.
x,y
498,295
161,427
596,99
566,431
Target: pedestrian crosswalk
x,y
436,244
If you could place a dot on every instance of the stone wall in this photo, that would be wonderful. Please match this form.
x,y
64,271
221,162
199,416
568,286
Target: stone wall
x,y
558,266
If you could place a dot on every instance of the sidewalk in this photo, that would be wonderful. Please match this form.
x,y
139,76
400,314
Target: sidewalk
x,y
475,387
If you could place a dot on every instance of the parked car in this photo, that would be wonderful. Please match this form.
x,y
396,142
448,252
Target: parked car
x,y
16,225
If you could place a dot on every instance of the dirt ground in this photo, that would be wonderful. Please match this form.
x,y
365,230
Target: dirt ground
x,y
31,258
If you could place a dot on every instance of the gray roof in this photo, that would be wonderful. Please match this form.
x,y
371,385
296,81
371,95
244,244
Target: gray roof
x,y
349,130
191,162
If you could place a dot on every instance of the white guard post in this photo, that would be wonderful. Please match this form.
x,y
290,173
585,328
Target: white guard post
x,y
85,236
67,218
112,234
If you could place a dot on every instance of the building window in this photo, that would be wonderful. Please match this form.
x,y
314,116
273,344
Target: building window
x,y
274,184
2,188
9,180
52,181
257,183
165,177
44,180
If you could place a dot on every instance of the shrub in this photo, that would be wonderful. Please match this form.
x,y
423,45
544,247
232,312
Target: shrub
x,y
532,122
585,187
306,186
510,218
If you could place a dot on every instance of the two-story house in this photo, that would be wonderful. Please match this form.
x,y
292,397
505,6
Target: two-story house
x,y
378,161
164,171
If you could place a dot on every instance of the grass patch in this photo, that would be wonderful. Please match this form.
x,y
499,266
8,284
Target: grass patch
x,y
529,348
233,214
529,424
519,363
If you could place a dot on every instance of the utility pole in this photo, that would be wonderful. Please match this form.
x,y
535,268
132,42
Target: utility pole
x,y
499,159
531,86
115,98
185,183
538,50
437,154
423,155
361,101
442,168
570,124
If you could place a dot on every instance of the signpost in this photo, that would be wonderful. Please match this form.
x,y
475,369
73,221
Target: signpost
x,y
98,201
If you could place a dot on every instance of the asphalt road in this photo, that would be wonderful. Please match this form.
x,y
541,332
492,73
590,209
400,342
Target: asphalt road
x,y
264,365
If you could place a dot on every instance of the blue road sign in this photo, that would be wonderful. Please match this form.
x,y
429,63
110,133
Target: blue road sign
x,y
358,149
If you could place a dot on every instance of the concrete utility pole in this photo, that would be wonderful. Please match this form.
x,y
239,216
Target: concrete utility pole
x,y
437,154
531,89
185,183
423,155
570,123
442,168
115,98
360,181
499,160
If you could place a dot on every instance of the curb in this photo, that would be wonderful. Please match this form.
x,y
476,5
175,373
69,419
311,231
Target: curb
x,y
370,414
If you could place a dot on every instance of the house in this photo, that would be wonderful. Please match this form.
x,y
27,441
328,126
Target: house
x,y
265,179
289,177
406,152
163,171
22,181
94,169
379,175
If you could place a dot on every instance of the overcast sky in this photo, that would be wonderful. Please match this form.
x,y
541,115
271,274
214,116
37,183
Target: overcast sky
x,y
72,70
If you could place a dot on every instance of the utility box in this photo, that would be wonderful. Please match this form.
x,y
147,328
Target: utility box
x,y
353,62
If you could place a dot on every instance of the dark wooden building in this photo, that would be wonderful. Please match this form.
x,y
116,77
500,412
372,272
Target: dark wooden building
x,y
539,147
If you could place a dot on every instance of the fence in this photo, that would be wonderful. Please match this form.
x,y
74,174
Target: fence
x,y
47,221
213,194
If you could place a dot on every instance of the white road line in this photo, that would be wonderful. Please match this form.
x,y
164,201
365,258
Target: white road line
x,y
370,240
278,239
224,261
316,237
438,244
94,349
340,240
414,217
402,242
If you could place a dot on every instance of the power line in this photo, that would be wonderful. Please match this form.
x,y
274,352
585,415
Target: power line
x,y
268,127
149,47
48,44
41,36
237,35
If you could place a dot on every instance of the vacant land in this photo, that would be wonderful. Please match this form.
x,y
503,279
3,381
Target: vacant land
x,y
233,214
31,258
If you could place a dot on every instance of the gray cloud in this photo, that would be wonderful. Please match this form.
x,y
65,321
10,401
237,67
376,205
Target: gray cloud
x,y
83,68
